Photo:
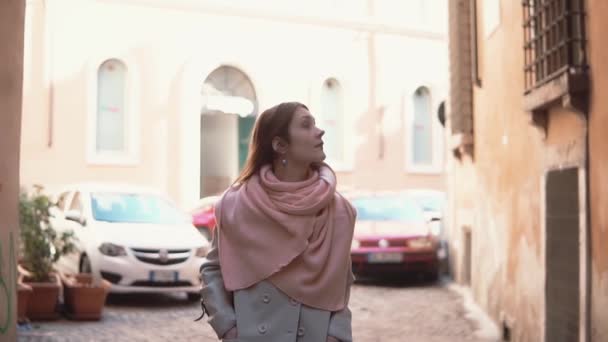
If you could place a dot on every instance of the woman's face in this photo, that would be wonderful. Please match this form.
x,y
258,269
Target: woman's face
x,y
305,139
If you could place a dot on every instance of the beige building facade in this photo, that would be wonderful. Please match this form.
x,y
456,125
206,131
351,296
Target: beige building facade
x,y
164,93
526,120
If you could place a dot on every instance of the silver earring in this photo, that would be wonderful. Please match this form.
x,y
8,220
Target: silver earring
x,y
284,162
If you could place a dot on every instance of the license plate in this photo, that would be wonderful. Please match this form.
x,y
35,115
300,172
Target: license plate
x,y
384,257
164,276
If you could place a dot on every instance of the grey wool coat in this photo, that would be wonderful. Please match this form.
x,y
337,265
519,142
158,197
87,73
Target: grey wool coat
x,y
263,313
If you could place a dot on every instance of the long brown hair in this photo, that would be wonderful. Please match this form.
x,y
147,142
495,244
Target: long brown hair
x,y
273,122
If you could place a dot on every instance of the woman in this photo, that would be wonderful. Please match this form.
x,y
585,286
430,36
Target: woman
x,y
279,269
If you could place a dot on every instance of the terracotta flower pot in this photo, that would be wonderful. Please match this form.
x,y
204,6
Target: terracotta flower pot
x,y
83,299
42,303
24,292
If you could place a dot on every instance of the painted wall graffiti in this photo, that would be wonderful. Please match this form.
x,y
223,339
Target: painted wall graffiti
x,y
8,283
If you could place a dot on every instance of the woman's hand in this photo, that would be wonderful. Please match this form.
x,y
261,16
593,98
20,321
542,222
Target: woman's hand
x,y
332,339
230,334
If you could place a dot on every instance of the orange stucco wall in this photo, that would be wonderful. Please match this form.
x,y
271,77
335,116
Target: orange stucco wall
x,y
598,149
499,194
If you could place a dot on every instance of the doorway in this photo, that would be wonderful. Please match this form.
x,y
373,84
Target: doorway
x,y
227,117
468,259
562,222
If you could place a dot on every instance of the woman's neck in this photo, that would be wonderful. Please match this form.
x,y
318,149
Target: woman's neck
x,y
291,172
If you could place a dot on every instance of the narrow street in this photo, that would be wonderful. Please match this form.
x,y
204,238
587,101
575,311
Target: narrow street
x,y
404,311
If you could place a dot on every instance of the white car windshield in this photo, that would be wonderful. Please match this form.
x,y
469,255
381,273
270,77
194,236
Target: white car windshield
x,y
134,208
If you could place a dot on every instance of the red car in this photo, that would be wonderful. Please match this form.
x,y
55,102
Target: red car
x,y
393,238
203,216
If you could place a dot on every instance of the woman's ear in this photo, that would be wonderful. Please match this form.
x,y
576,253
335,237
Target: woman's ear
x,y
279,145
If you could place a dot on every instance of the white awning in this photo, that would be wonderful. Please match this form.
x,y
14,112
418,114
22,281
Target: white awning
x,y
228,104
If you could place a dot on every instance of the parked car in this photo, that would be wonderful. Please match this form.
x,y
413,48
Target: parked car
x,y
135,238
433,204
203,215
393,237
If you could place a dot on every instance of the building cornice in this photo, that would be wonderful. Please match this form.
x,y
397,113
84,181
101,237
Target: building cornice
x,y
361,24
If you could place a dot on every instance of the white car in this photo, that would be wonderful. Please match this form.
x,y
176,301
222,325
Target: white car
x,y
135,238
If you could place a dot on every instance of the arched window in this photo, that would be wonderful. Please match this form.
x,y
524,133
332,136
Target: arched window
x,y
111,118
422,132
332,120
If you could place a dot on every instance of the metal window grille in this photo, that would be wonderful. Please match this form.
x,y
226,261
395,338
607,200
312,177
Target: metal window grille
x,y
554,40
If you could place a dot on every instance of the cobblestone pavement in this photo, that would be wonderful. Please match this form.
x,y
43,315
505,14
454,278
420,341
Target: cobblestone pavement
x,y
395,311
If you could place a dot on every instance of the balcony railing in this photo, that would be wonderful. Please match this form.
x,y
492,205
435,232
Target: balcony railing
x,y
554,40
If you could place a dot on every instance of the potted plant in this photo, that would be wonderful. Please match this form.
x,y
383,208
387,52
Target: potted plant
x,y
83,299
24,292
41,247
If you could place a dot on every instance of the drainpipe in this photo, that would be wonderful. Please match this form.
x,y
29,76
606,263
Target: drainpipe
x,y
50,73
589,231
588,228
371,53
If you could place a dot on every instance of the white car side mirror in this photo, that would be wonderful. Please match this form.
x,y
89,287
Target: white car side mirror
x,y
76,216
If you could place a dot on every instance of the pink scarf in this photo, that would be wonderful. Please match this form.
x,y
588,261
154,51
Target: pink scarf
x,y
297,235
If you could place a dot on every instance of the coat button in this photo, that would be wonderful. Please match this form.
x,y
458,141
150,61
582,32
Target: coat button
x,y
266,298
293,302
262,328
301,331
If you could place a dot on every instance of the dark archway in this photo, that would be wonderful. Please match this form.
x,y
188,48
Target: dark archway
x,y
228,113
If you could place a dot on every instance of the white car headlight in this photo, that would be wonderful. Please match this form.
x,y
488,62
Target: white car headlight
x,y
201,252
111,249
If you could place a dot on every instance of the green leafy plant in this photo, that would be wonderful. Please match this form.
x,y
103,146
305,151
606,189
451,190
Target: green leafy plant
x,y
41,245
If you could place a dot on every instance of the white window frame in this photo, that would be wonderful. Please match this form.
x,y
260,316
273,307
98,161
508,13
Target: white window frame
x,y
491,16
131,155
437,164
315,105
